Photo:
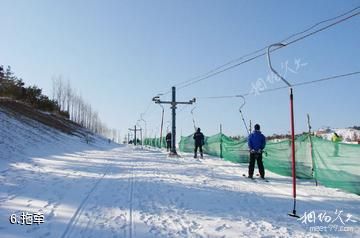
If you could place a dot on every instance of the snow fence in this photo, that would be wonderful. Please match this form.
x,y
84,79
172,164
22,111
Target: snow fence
x,y
155,142
332,164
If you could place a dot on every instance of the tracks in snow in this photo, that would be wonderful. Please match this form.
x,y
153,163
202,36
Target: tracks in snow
x,y
131,194
79,210
89,213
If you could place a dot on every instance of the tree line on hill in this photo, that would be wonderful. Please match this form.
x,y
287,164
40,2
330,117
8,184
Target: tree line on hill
x,y
14,87
65,101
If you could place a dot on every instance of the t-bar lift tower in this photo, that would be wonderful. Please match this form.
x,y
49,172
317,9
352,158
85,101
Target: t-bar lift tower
x,y
173,104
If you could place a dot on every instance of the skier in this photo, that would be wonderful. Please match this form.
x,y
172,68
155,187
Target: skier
x,y
199,142
256,143
168,141
336,138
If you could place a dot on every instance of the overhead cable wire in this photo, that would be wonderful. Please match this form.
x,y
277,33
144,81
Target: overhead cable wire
x,y
147,108
183,107
321,22
262,54
286,41
220,69
264,48
283,87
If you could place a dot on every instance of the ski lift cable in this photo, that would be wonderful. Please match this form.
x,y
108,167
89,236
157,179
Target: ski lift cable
x,y
242,116
262,54
183,107
321,22
341,76
193,117
162,123
168,125
215,71
148,107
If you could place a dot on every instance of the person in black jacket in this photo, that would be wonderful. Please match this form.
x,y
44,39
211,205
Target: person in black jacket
x,y
199,142
168,141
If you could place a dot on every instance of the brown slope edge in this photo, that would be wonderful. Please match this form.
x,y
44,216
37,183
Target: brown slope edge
x,y
23,112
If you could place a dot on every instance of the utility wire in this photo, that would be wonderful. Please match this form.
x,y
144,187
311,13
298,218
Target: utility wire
x,y
319,23
147,108
218,70
262,54
183,108
283,87
341,76
323,28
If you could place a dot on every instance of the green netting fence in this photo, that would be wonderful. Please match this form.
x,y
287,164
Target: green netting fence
x,y
155,142
337,165
332,164
219,145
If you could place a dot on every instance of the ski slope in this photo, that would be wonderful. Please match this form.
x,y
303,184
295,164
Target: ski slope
x,y
103,189
131,192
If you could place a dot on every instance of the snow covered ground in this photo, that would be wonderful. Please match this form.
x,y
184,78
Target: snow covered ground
x,y
128,192
56,185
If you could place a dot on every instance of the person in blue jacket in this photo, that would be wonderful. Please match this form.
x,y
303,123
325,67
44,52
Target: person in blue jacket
x,y
256,143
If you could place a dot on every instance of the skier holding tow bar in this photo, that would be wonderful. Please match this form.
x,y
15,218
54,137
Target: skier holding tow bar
x,y
256,143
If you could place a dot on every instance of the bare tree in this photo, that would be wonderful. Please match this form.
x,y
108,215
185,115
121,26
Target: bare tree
x,y
59,91
80,112
53,79
68,94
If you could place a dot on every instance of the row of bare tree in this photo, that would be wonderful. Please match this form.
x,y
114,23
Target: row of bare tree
x,y
79,110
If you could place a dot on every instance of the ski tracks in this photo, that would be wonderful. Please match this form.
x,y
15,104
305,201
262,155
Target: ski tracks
x,y
79,210
107,210
163,210
131,192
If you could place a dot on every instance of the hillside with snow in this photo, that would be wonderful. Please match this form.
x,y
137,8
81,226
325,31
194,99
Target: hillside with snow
x,y
55,184
348,135
25,130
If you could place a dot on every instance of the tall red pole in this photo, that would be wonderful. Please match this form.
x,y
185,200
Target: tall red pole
x,y
293,214
293,149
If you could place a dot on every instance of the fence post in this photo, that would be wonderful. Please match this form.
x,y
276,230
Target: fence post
x,y
313,169
221,142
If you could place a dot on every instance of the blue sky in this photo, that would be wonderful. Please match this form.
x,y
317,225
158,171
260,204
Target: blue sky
x,y
120,54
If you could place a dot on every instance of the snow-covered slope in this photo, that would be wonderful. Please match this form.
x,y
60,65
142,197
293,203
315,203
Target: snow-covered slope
x,y
109,190
127,192
26,132
348,134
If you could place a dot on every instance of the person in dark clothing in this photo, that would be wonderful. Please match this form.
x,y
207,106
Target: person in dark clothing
x,y
168,141
256,143
199,142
